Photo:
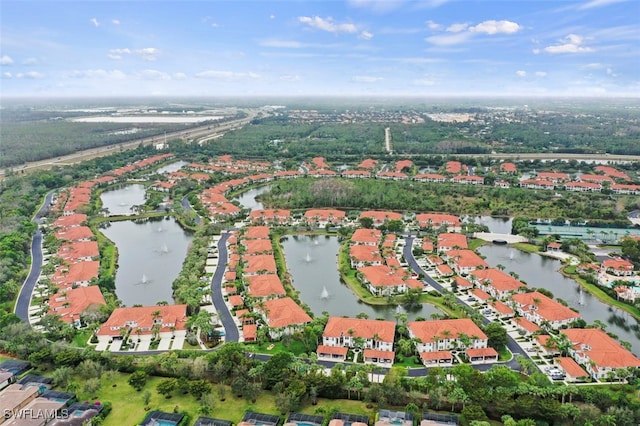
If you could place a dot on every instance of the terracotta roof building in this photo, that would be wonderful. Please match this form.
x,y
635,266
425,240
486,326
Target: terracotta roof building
x,y
540,309
283,315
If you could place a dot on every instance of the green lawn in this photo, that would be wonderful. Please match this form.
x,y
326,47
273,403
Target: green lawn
x,y
295,347
474,243
128,405
81,338
409,362
529,248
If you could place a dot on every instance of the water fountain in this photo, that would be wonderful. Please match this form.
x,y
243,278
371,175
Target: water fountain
x,y
144,279
511,255
325,293
580,297
307,258
164,249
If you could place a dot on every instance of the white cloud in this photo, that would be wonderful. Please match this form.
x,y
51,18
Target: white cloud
x,y
272,16
288,44
117,54
366,79
149,53
521,73
115,21
179,76
328,24
228,75
6,60
598,3
33,75
448,39
492,27
95,22
541,73
7,75
456,28
594,66
365,35
100,74
570,44
433,26
152,75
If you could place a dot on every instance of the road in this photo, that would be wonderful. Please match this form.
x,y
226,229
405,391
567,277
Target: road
x,y
21,309
512,345
230,328
208,131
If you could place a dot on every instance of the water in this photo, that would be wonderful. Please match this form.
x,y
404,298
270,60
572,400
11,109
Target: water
x,y
319,281
497,225
119,201
543,272
248,199
172,167
145,273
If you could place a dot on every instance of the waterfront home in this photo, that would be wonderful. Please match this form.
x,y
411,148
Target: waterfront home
x,y
541,309
430,177
256,232
434,220
618,266
468,180
380,217
165,321
437,338
70,221
78,251
495,282
259,264
271,216
599,354
75,233
620,188
376,337
255,247
356,174
369,237
76,274
612,172
382,280
265,286
70,304
451,241
554,177
283,316
324,217
362,255
464,261
583,187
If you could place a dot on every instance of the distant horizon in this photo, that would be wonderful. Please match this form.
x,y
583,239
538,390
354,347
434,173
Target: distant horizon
x,y
341,48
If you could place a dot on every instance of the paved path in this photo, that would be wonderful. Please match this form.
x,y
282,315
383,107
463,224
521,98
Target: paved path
x,y
230,328
24,297
511,343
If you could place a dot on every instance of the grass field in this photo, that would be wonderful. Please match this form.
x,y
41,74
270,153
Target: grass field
x,y
128,404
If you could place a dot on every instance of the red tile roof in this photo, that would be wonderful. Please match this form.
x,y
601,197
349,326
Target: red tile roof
x,y
142,318
376,353
364,253
71,303
436,220
257,246
427,331
381,276
265,285
70,220
481,352
600,348
256,232
381,216
572,368
466,259
497,279
364,235
332,350
261,263
364,328
436,356
452,240
546,307
284,312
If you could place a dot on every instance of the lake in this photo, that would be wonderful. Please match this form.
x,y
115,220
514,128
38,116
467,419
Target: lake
x,y
543,272
118,201
312,264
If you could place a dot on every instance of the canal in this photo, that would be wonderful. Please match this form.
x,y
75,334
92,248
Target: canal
x,y
543,272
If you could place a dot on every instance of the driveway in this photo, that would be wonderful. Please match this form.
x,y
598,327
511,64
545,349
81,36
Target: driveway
x,y
230,328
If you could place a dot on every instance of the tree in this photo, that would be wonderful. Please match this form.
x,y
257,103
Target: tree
x,y
166,387
277,369
137,379
146,397
497,335
197,388
91,385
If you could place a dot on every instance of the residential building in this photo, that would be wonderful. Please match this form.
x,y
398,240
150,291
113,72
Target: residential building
x,y
496,282
265,286
435,221
163,320
464,261
382,280
283,316
70,304
542,310
451,241
369,237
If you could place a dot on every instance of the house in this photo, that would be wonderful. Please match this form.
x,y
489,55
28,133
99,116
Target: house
x,y
382,280
554,177
554,247
259,264
283,316
620,188
362,255
433,220
599,353
272,216
496,282
356,174
583,187
618,266
375,334
368,163
403,164
451,241
595,179
78,251
380,217
70,304
572,369
392,175
468,180
526,326
15,397
165,321
445,335
541,309
430,177
76,274
265,286
612,172
74,233
537,184
369,237
70,221
256,232
479,355
255,247
508,167
453,167
464,261
324,217
501,309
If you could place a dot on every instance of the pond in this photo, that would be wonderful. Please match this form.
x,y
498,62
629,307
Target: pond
x,y
248,198
150,256
171,167
496,225
312,264
119,201
543,272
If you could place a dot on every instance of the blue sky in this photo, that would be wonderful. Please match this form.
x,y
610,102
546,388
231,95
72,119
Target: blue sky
x,y
354,47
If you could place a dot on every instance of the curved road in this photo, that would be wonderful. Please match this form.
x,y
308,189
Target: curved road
x,y
511,343
21,308
230,328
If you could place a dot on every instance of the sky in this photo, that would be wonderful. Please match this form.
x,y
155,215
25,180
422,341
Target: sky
x,y
424,48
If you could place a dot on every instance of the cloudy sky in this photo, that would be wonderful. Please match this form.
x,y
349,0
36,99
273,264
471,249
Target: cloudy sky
x,y
295,47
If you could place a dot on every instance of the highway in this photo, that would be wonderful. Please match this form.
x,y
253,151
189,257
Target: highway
x,y
206,132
